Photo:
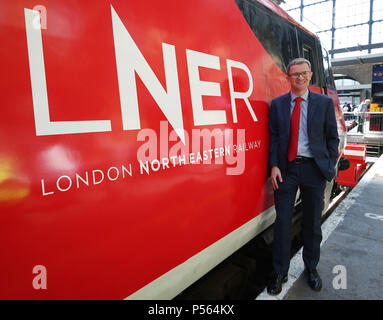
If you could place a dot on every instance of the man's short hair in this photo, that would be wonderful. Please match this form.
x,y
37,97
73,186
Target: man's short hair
x,y
297,61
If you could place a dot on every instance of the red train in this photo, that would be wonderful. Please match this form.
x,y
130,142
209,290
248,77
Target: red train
x,y
134,140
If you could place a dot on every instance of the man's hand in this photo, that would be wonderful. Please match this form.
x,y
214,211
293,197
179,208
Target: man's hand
x,y
275,174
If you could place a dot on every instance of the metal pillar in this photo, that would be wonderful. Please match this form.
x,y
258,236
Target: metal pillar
x,y
333,28
370,22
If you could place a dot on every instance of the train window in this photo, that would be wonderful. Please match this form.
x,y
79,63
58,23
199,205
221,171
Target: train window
x,y
308,55
307,51
276,35
327,70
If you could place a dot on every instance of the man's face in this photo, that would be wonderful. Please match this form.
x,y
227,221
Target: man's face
x,y
299,77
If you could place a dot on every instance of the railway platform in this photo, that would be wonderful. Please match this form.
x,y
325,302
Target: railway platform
x,y
351,250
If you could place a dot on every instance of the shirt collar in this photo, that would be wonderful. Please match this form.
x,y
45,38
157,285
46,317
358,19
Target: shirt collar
x,y
303,96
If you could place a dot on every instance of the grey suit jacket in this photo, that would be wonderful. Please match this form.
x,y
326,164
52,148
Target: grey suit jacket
x,y
322,131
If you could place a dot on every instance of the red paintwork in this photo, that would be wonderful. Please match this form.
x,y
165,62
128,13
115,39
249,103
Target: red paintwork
x,y
111,239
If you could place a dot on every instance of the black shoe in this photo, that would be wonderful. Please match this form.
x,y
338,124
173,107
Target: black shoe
x,y
275,286
313,279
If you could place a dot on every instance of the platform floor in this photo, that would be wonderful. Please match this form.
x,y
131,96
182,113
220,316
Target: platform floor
x,y
351,263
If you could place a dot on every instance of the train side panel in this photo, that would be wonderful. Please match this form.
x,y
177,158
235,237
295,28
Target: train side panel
x,y
134,137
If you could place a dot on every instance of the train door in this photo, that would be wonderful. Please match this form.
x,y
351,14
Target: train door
x,y
328,76
307,50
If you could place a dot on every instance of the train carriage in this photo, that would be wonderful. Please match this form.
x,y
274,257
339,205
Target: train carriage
x,y
134,140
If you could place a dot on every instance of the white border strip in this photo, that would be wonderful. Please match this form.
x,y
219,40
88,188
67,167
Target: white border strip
x,y
296,264
354,153
179,278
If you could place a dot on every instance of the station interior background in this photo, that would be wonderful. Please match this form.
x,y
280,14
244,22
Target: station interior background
x,y
352,32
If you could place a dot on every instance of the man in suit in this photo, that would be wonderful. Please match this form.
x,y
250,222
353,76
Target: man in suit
x,y
303,151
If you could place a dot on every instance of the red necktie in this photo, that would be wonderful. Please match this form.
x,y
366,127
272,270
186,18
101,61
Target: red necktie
x,y
294,130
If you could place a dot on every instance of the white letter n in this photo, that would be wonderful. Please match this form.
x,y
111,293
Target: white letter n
x,y
129,60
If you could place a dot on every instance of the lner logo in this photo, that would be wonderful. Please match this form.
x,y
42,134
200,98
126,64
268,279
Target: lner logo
x,y
130,61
